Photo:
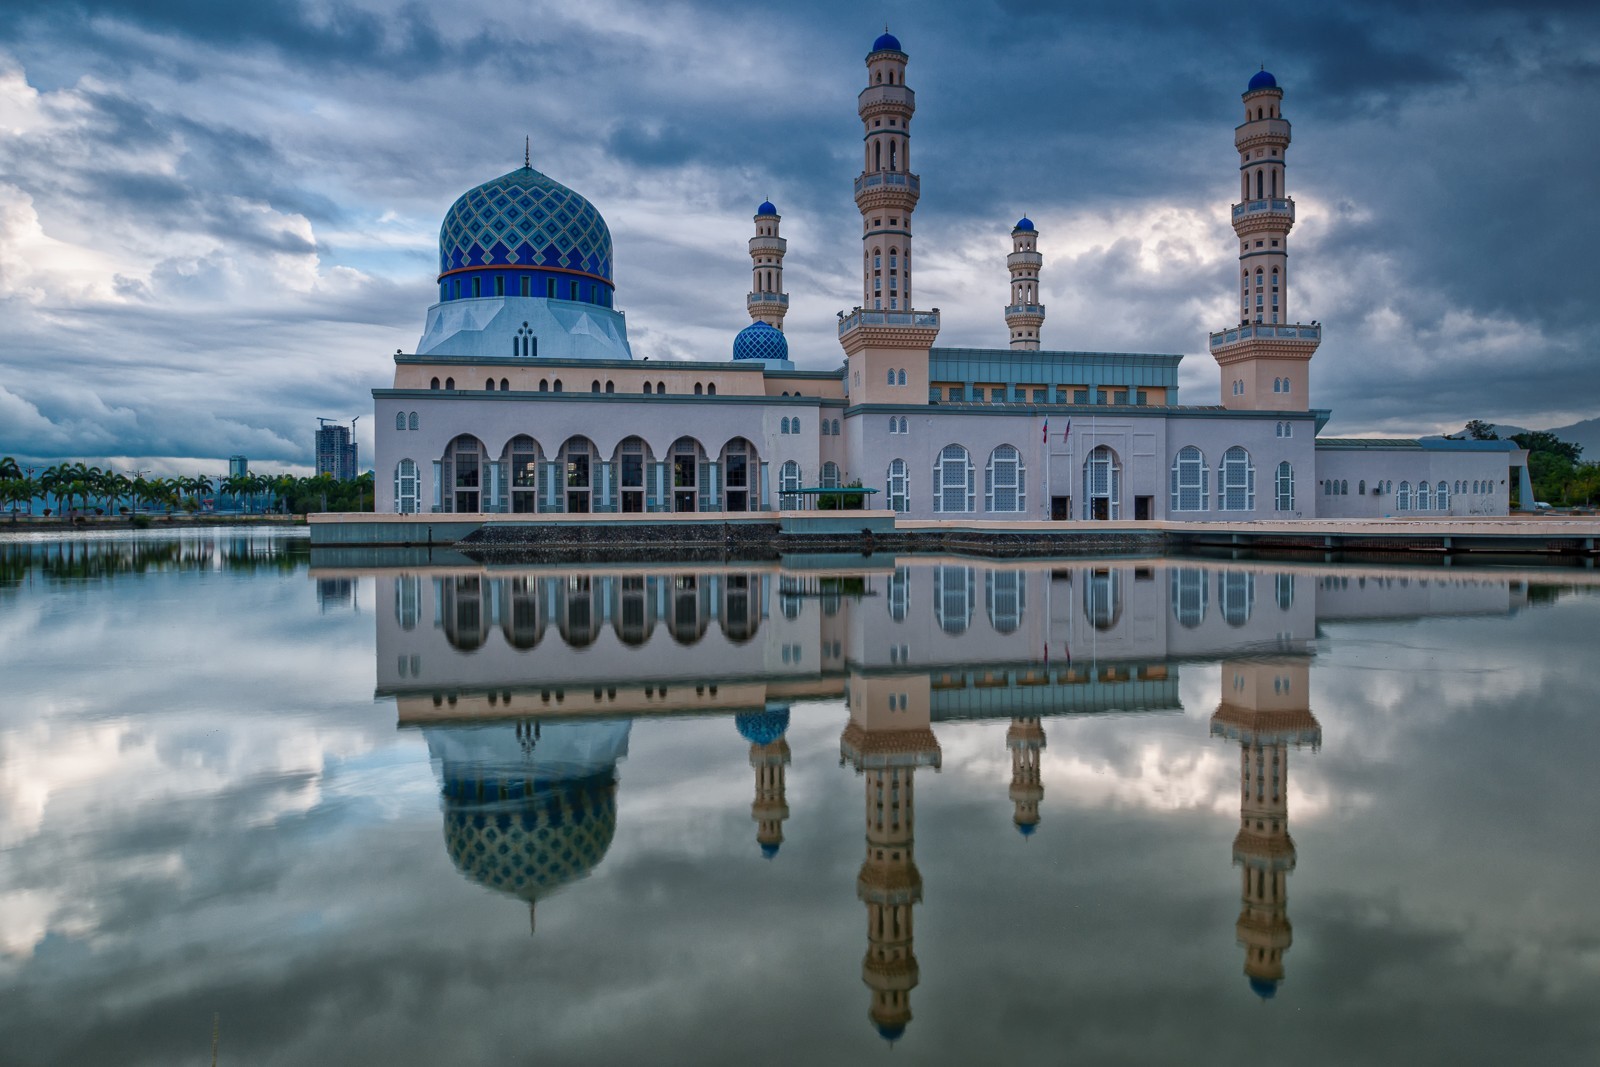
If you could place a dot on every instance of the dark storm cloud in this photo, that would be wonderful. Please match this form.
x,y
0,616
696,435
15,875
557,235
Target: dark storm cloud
x,y
287,164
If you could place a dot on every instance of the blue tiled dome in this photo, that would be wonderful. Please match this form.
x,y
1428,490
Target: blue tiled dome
x,y
525,219
1026,829
1262,79
1024,223
525,838
890,1033
763,727
768,851
887,42
767,208
760,341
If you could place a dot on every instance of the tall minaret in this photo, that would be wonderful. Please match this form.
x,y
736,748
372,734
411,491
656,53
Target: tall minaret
x,y
1266,708
884,337
1266,359
769,757
1024,315
1025,739
767,302
886,743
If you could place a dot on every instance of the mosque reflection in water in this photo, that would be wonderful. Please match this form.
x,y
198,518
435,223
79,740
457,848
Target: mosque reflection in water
x,y
525,683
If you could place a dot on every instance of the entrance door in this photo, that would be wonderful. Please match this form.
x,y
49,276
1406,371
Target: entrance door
x,y
1100,508
685,478
1141,508
1060,508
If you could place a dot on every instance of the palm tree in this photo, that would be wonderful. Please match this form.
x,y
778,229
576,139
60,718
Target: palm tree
x,y
53,478
9,471
237,486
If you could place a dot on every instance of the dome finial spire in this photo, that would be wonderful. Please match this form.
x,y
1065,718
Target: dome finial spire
x,y
527,152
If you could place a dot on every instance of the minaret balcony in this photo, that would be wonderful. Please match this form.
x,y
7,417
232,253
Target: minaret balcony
x,y
888,178
775,245
917,320
1283,208
766,298
1019,260
1294,335
1025,309
894,96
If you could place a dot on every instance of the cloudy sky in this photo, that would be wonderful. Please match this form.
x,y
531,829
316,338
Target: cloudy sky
x,y
217,219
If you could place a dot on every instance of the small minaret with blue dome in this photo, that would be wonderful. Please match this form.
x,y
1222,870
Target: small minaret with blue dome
x,y
769,756
1025,739
1025,314
767,303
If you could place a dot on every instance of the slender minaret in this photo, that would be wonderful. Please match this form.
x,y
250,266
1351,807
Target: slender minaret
x,y
1266,359
770,807
1024,315
767,302
885,341
1025,739
886,743
1266,708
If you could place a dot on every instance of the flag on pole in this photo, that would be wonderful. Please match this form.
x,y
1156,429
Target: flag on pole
x,y
1047,429
1067,432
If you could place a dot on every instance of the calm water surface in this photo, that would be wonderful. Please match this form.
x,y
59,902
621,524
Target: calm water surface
x,y
402,811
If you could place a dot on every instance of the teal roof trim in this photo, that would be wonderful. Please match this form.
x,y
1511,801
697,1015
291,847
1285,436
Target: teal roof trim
x,y
1043,367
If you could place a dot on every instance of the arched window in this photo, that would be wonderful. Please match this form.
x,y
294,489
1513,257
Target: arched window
x,y
1283,587
505,384
661,388
1285,487
1403,499
648,388
1189,596
1441,499
1236,595
894,424
835,429
1344,487
899,486
1236,481
1005,481
521,459
611,386
1361,487
1007,594
449,383
830,475
904,424
699,389
434,384
824,427
711,390
954,486
405,488
789,486
902,377
1102,485
411,421
1191,481
594,386
399,420
952,598
544,385
1258,185
1102,598
891,377
488,384
556,387
1424,496
1476,488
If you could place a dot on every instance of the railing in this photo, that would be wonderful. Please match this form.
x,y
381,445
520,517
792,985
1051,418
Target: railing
x,y
1294,331
1254,207
1025,309
766,298
861,317
871,181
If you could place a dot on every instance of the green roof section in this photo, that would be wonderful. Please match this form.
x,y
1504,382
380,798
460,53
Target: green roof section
x,y
1016,366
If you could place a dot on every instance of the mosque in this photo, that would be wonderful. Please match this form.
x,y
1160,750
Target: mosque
x,y
524,397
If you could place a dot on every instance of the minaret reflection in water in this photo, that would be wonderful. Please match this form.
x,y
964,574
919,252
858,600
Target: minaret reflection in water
x,y
769,756
1266,708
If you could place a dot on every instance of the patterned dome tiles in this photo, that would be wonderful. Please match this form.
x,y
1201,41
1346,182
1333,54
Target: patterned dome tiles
x,y
525,219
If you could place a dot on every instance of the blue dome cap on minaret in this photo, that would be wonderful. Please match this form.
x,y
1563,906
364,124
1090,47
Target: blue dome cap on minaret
x,y
767,208
760,341
1262,79
887,42
1265,988
525,219
1024,224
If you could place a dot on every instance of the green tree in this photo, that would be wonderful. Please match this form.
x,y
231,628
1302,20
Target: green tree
x,y
1478,430
9,471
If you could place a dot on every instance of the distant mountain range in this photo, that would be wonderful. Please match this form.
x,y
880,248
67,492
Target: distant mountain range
x,y
1585,433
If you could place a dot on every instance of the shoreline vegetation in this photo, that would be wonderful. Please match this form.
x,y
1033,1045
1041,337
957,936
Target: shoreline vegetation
x,y
24,523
